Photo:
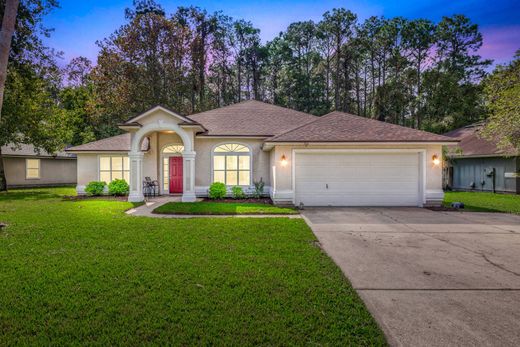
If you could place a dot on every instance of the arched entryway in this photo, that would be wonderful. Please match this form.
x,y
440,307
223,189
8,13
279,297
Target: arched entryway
x,y
136,160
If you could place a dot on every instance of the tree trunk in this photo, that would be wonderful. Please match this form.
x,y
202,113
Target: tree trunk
x,y
239,80
365,93
6,35
418,106
336,84
358,92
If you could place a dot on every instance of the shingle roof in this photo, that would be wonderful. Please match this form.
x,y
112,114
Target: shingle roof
x,y
471,144
119,143
251,118
28,150
343,127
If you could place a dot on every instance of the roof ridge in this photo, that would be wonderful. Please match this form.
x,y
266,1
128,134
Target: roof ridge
x,y
387,123
247,101
301,126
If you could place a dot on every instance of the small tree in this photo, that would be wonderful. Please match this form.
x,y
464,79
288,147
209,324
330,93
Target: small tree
x,y
502,91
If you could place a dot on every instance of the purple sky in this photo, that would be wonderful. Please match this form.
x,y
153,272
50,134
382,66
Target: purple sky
x,y
78,24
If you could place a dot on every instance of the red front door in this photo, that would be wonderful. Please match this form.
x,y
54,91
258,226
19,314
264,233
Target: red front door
x,y
175,174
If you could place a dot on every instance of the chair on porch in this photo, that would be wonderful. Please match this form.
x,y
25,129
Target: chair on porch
x,y
150,188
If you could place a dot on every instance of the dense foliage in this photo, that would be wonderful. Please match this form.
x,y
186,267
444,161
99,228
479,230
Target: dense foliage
x,y
411,72
502,92
217,190
95,188
118,187
238,192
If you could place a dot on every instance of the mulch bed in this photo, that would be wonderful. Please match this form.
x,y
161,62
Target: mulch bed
x,y
248,200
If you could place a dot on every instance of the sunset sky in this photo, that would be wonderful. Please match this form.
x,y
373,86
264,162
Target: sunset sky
x,y
78,24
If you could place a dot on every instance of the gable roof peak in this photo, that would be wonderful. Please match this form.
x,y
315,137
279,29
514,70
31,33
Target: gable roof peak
x,y
152,109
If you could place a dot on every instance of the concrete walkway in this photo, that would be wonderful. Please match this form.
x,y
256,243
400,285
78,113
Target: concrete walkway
x,y
429,278
152,203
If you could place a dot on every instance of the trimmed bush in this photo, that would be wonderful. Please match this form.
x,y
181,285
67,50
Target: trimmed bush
x,y
217,190
118,187
238,192
95,188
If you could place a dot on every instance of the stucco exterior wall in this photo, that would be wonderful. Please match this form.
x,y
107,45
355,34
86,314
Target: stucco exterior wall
x,y
52,172
88,168
284,185
204,148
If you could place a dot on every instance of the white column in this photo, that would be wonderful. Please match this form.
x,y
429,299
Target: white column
x,y
136,176
188,168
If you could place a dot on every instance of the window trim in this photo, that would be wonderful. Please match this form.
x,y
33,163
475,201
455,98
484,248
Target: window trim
x,y
250,153
27,169
110,155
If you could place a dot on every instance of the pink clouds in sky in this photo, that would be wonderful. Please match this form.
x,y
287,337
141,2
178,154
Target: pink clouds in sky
x,y
500,43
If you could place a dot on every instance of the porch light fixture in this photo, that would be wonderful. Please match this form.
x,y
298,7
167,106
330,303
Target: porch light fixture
x,y
435,159
283,160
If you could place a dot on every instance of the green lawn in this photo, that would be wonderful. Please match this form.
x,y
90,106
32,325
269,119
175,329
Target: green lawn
x,y
83,272
220,208
485,202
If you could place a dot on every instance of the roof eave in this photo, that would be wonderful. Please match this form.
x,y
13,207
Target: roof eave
x,y
470,156
270,144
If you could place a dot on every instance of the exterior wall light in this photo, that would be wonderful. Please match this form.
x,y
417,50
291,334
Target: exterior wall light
x,y
283,160
435,159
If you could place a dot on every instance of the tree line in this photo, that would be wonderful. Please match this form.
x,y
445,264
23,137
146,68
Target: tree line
x,y
415,73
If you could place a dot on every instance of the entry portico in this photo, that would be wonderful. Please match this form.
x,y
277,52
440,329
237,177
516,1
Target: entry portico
x,y
160,120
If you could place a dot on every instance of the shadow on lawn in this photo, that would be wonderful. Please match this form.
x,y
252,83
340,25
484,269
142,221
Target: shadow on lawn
x,y
28,195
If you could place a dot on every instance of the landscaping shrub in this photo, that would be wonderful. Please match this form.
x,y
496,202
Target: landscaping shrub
x,y
95,188
259,189
217,190
118,187
238,192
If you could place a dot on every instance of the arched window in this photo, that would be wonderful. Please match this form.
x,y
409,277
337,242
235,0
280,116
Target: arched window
x,y
232,164
173,149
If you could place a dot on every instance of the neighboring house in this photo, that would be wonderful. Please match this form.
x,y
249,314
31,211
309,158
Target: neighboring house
x,y
26,167
478,164
337,159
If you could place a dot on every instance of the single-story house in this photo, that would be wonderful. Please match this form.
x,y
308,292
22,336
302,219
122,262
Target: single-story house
x,y
479,164
25,166
335,160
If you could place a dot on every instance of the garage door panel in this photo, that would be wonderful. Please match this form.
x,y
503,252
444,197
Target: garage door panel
x,y
355,174
357,179
352,187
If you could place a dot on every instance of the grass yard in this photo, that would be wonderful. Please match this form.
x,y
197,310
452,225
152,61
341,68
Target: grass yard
x,y
84,273
485,202
221,208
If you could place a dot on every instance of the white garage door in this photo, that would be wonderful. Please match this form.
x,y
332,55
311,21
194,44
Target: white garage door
x,y
357,179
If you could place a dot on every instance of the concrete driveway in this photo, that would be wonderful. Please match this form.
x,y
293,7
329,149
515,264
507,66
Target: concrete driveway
x,y
429,278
